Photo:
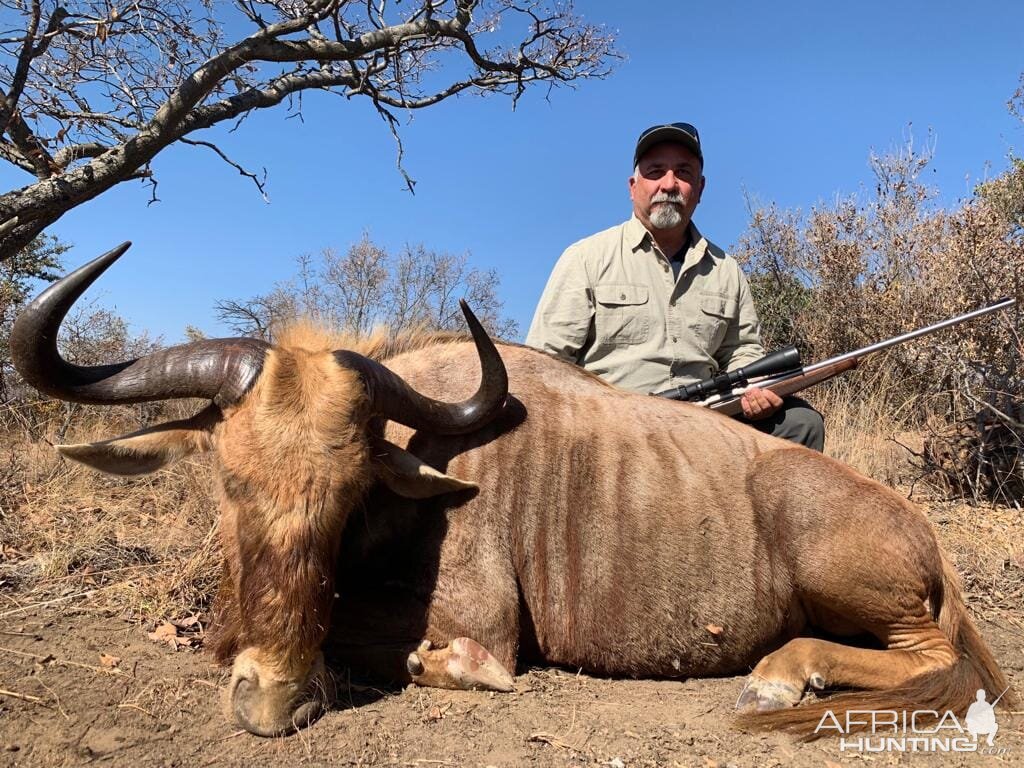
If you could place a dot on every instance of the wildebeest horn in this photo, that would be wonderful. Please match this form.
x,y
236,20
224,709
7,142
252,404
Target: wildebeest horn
x,y
219,369
392,398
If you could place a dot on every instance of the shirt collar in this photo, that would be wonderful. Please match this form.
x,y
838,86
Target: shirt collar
x,y
637,235
698,245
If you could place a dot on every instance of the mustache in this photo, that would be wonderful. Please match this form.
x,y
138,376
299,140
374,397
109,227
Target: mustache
x,y
668,197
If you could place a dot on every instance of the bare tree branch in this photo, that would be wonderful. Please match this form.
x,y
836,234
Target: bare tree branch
x,y
9,101
259,182
93,98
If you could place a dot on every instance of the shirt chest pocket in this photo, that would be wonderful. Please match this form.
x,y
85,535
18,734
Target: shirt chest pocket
x,y
717,312
622,314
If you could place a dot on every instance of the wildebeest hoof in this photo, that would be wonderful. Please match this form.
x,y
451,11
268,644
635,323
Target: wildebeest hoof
x,y
463,665
414,664
472,666
817,682
760,695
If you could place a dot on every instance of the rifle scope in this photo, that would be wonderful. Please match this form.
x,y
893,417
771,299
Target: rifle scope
x,y
783,361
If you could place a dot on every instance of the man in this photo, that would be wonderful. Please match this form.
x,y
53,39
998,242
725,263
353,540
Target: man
x,y
651,304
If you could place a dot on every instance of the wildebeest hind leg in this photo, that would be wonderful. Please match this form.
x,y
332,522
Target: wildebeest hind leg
x,y
780,678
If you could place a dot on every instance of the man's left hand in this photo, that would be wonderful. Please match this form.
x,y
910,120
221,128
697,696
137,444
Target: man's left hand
x,y
760,403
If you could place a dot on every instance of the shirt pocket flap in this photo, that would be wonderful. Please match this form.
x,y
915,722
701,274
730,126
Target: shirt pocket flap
x,y
718,305
615,295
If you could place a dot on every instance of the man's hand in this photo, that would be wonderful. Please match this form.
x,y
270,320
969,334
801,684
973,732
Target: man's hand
x,y
759,403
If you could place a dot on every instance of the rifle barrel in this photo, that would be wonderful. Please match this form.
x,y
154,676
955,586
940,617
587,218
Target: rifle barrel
x,y
1001,304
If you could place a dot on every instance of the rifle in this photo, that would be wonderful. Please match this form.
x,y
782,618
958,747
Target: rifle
x,y
782,373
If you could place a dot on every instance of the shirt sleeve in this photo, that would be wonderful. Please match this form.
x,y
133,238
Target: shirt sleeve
x,y
565,314
742,343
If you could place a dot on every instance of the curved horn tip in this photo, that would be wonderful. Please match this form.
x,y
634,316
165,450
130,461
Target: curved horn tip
x,y
91,270
117,252
74,284
471,318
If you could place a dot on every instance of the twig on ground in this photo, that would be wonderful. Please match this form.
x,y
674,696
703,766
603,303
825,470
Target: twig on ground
x,y
26,697
88,593
56,698
49,659
129,705
232,736
10,599
555,741
92,574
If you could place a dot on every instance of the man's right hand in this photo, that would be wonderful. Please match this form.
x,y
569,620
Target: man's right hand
x,y
759,403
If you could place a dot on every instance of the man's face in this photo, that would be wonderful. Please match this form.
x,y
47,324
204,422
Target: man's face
x,y
667,188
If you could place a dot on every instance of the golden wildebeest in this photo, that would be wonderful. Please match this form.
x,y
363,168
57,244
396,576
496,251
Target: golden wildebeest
x,y
442,540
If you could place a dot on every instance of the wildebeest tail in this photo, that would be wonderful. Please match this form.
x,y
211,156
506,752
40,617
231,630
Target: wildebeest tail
x,y
952,689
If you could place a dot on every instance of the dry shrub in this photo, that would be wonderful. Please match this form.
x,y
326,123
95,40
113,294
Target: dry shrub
x,y
865,269
985,451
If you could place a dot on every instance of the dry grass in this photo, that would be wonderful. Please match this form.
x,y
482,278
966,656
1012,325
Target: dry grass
x,y
866,428
145,548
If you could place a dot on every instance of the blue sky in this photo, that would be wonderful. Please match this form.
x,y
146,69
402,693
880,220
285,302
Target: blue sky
x,y
789,98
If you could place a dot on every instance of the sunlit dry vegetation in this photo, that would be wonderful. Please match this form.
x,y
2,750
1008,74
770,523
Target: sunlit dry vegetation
x,y
873,266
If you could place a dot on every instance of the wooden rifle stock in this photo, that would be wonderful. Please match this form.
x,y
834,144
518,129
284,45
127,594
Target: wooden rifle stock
x,y
733,407
789,383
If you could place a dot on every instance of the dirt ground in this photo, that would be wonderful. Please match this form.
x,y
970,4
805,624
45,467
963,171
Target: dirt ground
x,y
81,687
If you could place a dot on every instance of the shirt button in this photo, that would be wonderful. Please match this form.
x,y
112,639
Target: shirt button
x,y
622,297
674,339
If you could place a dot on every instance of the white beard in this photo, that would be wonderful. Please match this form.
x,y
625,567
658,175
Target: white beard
x,y
665,216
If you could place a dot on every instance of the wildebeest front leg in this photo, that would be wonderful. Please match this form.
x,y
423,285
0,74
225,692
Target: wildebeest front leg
x,y
383,633
463,665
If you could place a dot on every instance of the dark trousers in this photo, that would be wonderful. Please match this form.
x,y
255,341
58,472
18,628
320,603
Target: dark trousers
x,y
796,420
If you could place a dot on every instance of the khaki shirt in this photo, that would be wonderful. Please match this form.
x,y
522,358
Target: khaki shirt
x,y
614,306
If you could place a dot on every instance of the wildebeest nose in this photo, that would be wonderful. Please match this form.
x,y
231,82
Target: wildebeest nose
x,y
244,686
248,712
243,696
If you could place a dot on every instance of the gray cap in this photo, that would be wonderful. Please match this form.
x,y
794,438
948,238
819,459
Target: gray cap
x,y
677,133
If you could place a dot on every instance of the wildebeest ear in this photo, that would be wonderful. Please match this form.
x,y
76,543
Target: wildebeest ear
x,y
148,449
407,476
